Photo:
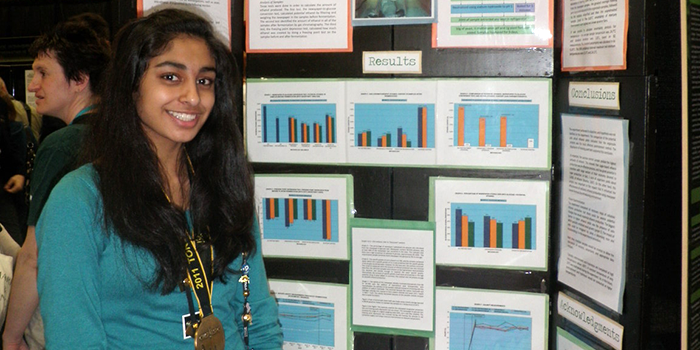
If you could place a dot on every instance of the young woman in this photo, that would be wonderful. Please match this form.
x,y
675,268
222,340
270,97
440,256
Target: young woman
x,y
160,224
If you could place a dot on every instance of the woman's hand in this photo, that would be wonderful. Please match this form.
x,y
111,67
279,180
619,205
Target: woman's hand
x,y
15,184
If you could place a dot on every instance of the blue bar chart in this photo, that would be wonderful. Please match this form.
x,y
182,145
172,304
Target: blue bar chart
x,y
397,125
299,123
473,328
489,225
301,219
307,322
496,125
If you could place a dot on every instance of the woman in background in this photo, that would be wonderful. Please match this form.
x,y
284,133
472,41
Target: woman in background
x,y
160,224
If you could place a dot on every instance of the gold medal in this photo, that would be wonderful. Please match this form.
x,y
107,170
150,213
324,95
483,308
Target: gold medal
x,y
209,334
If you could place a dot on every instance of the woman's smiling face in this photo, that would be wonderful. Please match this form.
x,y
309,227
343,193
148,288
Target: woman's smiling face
x,y
176,93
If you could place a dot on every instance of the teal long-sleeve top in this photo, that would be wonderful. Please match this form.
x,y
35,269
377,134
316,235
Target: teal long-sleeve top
x,y
93,292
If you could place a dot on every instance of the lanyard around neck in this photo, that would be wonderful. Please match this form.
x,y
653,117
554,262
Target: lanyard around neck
x,y
199,274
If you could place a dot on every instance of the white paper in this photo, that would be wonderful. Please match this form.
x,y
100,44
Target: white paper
x,y
299,25
594,34
505,123
401,114
594,207
479,319
318,105
310,234
469,212
494,24
392,278
312,315
601,95
218,12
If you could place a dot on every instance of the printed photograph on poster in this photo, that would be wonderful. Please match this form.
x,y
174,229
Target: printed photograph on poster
x,y
312,315
489,319
567,341
490,223
393,274
300,121
594,35
593,207
391,123
392,12
304,215
298,26
495,123
488,24
218,12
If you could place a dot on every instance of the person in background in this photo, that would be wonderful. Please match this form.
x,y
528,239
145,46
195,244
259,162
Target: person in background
x,y
26,114
101,28
12,166
164,209
68,65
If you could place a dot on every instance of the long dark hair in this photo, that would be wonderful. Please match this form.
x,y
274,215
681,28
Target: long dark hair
x,y
221,197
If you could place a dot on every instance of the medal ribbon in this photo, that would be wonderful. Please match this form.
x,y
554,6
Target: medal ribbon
x,y
199,275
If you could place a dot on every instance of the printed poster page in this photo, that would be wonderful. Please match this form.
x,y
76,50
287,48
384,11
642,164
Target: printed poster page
x,y
492,24
304,216
392,12
312,315
595,166
487,319
392,277
298,26
218,12
299,121
594,35
495,123
490,223
391,122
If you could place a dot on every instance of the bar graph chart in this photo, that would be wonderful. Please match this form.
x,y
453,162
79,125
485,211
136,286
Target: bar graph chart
x,y
394,125
307,322
491,225
301,219
475,328
299,123
496,125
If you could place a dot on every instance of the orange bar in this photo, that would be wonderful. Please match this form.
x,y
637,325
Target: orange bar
x,y
364,139
271,207
521,234
503,131
328,219
294,132
384,141
304,135
465,231
404,141
493,227
460,126
291,210
329,132
482,132
424,122
309,216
